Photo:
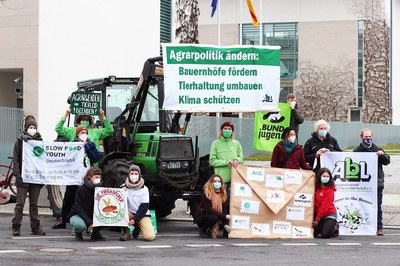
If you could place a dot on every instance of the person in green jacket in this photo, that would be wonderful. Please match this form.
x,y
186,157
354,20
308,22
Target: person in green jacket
x,y
94,135
225,153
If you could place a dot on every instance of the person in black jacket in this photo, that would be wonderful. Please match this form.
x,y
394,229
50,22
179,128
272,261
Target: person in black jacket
x,y
296,118
320,142
367,145
30,133
212,210
81,215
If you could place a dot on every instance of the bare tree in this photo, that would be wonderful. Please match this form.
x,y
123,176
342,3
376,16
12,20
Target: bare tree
x,y
325,92
187,21
376,55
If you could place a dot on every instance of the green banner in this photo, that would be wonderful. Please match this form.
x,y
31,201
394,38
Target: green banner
x,y
85,103
199,55
268,127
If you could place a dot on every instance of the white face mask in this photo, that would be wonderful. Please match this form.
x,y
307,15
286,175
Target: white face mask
x,y
96,181
292,139
292,104
83,137
31,131
134,178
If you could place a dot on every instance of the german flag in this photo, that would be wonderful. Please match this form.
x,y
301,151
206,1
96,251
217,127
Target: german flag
x,y
252,13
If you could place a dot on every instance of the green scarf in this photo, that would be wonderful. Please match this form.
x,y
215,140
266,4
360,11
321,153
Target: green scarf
x,y
288,147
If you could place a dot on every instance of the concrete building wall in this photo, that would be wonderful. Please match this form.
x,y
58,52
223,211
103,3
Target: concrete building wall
x,y
396,61
19,49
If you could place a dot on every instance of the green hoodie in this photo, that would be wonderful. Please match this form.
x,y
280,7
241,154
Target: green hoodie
x,y
222,150
94,134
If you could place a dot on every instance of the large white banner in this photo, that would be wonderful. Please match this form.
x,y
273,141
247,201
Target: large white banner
x,y
110,207
355,175
53,163
202,78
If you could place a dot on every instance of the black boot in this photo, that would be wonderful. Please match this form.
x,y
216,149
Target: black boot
x,y
16,229
136,232
203,232
60,224
78,236
96,236
37,230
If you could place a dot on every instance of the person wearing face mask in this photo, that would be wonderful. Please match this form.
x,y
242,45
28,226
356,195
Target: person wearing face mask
x,y
81,215
225,153
138,207
287,153
367,145
325,215
296,118
94,134
29,133
212,211
320,142
81,135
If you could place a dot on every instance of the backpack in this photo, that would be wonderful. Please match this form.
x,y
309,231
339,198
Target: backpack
x,y
91,152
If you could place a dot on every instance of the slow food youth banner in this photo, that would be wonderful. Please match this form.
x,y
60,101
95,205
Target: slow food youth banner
x,y
202,78
53,163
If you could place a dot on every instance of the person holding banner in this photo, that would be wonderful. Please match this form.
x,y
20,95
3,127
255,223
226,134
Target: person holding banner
x,y
320,142
212,211
138,206
325,215
225,153
296,117
94,135
287,153
81,215
29,133
367,145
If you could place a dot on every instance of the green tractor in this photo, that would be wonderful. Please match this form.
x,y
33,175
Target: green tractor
x,y
152,138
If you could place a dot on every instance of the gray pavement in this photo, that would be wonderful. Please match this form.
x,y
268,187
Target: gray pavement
x,y
391,197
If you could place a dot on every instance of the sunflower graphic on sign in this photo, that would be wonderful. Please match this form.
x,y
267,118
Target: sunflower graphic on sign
x,y
110,207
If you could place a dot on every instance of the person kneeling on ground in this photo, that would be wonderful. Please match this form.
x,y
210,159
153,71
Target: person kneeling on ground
x,y
325,214
138,207
212,210
81,215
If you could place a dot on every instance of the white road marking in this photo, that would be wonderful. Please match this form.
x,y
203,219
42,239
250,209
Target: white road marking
x,y
344,244
250,244
107,248
386,244
12,251
39,237
204,245
159,246
299,244
176,235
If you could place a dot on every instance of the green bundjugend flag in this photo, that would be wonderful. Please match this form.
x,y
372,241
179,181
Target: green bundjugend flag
x,y
268,127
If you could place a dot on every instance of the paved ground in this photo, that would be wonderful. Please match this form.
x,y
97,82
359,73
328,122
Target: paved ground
x,y
391,197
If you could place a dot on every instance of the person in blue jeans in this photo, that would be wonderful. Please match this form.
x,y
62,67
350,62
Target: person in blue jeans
x,y
81,215
367,145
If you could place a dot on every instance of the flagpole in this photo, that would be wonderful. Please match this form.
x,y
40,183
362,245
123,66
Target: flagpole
x,y
260,22
241,23
219,23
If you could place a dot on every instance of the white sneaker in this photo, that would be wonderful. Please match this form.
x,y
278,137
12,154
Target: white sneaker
x,y
227,228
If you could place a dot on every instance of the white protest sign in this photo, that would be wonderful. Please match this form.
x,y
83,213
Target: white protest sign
x,y
201,78
355,175
110,207
53,163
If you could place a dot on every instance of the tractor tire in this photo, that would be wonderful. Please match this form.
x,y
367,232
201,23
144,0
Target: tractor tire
x,y
162,206
115,172
55,197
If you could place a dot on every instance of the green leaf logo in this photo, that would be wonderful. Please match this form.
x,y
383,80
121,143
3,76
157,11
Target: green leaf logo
x,y
38,151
